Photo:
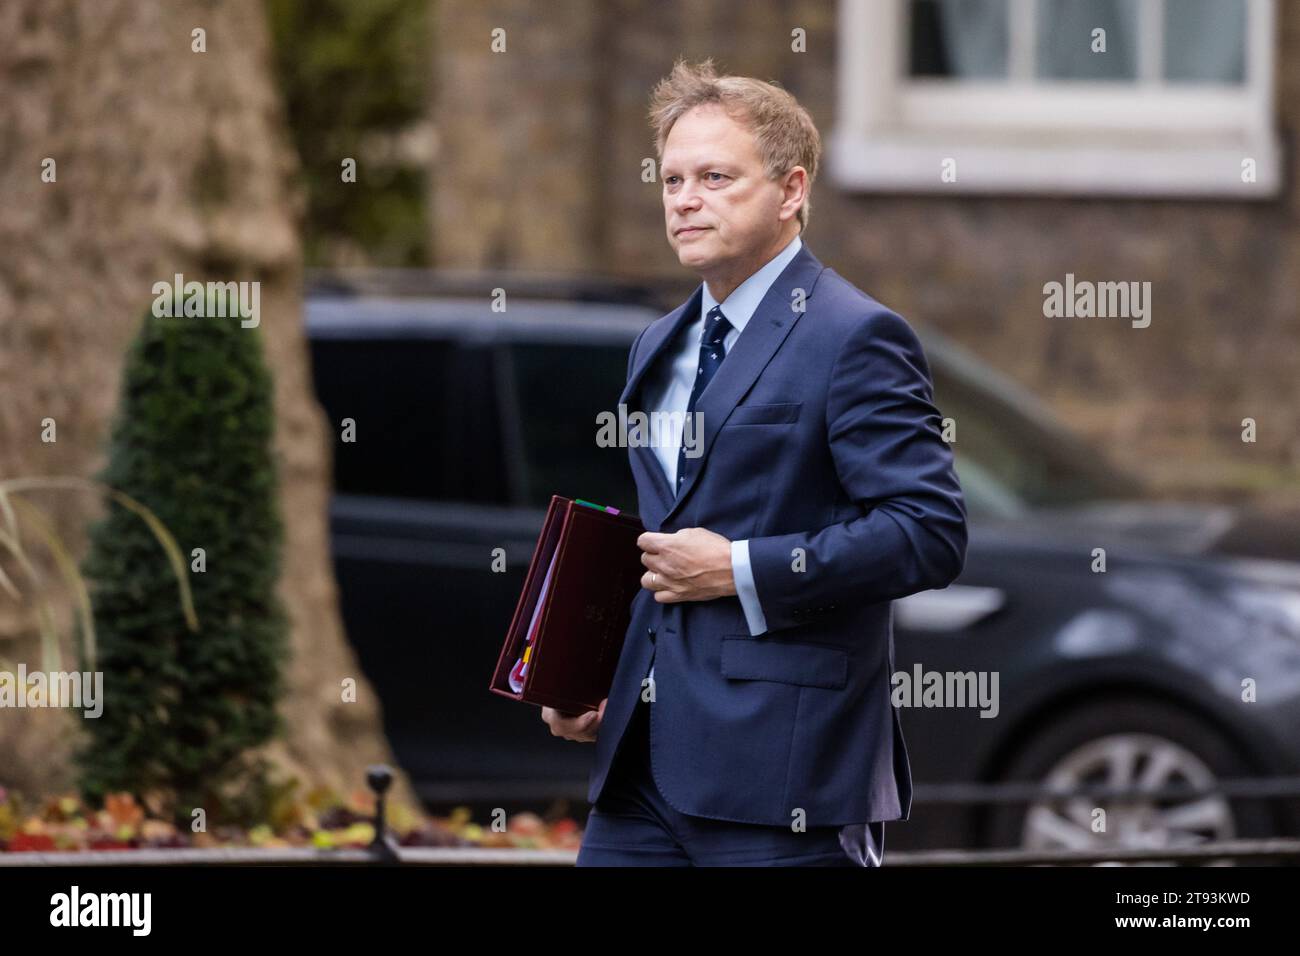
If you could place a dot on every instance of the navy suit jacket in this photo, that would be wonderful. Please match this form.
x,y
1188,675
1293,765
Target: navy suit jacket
x,y
823,447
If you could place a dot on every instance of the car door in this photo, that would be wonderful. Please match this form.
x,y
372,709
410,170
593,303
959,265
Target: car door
x,y
457,444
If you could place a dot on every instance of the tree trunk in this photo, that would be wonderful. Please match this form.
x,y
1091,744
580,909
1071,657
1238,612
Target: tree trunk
x,y
167,161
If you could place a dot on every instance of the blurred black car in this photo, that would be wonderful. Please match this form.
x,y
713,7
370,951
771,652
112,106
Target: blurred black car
x,y
467,418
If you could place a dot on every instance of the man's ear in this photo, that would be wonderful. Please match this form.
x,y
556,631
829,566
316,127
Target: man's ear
x,y
794,187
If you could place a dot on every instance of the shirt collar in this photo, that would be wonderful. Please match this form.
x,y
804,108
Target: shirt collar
x,y
743,302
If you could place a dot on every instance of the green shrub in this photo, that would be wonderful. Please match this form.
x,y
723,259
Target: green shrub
x,y
192,441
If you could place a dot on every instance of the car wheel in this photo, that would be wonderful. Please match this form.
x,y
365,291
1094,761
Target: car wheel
x,y
1146,745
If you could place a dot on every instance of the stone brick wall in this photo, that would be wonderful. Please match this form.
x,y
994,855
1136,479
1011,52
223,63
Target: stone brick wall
x,y
539,168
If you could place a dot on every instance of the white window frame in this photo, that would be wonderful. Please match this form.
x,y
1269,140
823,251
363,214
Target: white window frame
x,y
1023,136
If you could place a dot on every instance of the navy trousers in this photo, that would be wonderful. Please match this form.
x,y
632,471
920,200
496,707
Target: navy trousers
x,y
633,825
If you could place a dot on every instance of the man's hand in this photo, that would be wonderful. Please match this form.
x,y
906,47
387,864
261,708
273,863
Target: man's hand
x,y
693,564
580,727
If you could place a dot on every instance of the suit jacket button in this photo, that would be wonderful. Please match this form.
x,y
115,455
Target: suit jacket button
x,y
650,631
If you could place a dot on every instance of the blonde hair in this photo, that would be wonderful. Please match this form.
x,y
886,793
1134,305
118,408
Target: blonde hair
x,y
783,131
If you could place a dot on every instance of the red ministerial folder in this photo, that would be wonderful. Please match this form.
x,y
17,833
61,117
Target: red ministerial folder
x,y
567,631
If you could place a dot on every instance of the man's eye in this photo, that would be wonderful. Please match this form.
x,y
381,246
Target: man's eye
x,y
719,175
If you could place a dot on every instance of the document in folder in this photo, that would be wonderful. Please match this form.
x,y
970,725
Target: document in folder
x,y
567,631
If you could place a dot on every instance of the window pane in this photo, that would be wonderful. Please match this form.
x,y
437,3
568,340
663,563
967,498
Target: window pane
x,y
959,38
1205,41
1065,39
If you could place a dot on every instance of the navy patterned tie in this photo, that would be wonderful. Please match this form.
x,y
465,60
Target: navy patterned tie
x,y
712,353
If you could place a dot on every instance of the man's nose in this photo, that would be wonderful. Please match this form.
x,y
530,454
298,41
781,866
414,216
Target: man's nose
x,y
686,199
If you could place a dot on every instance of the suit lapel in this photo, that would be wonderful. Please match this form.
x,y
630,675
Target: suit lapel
x,y
767,329
655,341
642,456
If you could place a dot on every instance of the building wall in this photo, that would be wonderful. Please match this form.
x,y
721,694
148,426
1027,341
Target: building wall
x,y
540,168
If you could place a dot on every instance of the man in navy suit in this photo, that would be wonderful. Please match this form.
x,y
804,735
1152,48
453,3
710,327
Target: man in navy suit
x,y
749,721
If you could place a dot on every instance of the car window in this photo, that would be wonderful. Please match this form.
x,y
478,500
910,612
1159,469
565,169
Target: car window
x,y
427,424
559,389
1014,464
985,496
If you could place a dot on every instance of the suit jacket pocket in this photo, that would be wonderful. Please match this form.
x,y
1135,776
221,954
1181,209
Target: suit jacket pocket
x,y
780,413
758,658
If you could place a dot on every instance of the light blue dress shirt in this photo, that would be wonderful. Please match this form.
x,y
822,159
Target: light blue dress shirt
x,y
670,391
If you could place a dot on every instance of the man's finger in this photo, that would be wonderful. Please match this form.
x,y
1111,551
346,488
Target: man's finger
x,y
651,541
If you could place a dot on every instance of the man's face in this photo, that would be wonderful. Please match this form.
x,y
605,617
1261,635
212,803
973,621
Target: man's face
x,y
720,209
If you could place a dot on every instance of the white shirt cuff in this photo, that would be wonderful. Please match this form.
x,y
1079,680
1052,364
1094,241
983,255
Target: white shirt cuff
x,y
745,588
